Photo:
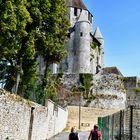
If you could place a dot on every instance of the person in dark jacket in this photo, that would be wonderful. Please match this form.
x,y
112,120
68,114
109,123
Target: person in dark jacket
x,y
73,134
95,134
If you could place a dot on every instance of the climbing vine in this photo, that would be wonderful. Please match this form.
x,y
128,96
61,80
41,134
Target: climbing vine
x,y
136,90
85,80
96,47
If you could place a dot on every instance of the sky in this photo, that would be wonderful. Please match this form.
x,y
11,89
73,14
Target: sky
x,y
119,23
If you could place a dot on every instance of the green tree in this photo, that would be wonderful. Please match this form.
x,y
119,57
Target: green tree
x,y
53,32
13,20
29,28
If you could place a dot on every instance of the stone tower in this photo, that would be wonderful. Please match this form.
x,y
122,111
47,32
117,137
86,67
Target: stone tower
x,y
78,46
84,49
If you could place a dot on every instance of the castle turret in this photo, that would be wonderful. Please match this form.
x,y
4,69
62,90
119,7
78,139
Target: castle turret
x,y
82,45
100,38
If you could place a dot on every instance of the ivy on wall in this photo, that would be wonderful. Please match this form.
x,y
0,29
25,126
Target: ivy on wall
x,y
136,90
85,80
95,46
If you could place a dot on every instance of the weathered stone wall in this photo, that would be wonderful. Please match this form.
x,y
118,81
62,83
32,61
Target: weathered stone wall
x,y
133,98
108,91
136,124
14,117
88,116
24,120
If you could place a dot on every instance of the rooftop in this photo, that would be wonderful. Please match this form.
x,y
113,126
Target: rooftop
x,y
98,34
78,4
112,70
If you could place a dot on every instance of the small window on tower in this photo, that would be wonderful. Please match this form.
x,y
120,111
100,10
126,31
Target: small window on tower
x,y
91,18
75,11
88,16
81,33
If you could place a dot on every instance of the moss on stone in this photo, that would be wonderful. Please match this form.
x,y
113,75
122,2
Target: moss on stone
x,y
59,75
136,90
94,45
30,103
85,80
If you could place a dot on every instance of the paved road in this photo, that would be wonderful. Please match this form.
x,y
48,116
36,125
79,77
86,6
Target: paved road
x,y
64,136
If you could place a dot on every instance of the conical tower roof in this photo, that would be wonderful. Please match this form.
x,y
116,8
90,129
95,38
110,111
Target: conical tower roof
x,y
78,4
97,33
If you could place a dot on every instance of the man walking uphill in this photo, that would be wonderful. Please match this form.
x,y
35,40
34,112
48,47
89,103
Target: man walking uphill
x,y
95,134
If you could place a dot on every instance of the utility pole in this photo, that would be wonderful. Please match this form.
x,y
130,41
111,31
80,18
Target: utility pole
x,y
131,122
120,125
79,110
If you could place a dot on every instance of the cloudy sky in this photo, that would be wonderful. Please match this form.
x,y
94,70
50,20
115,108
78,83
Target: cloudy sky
x,y
119,22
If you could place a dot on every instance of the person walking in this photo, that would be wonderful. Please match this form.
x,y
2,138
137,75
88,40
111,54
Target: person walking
x,y
73,134
95,134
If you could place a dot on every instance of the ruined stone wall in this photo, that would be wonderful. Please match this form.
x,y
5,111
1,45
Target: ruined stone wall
x,y
136,124
107,91
24,120
133,97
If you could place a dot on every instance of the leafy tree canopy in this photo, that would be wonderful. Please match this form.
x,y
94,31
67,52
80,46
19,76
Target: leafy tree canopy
x,y
29,28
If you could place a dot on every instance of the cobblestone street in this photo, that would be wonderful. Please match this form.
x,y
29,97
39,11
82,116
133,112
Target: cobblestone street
x,y
64,136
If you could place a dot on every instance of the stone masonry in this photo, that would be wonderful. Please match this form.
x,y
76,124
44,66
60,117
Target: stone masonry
x,y
24,120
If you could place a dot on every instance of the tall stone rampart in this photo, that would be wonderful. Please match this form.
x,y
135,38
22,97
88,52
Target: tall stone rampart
x,y
24,120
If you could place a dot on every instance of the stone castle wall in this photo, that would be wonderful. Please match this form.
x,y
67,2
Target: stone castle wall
x,y
109,91
133,97
105,91
24,120
88,116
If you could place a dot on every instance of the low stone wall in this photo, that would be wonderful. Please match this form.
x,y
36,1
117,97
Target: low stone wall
x,y
133,98
24,120
88,116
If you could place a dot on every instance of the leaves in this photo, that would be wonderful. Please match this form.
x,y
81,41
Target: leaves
x,y
29,28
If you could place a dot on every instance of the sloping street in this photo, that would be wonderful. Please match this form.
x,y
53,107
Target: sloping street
x,y
64,136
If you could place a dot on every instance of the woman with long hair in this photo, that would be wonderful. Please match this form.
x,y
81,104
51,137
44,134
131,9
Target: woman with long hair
x,y
73,134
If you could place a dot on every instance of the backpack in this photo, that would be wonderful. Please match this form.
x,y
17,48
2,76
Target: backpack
x,y
73,136
94,135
